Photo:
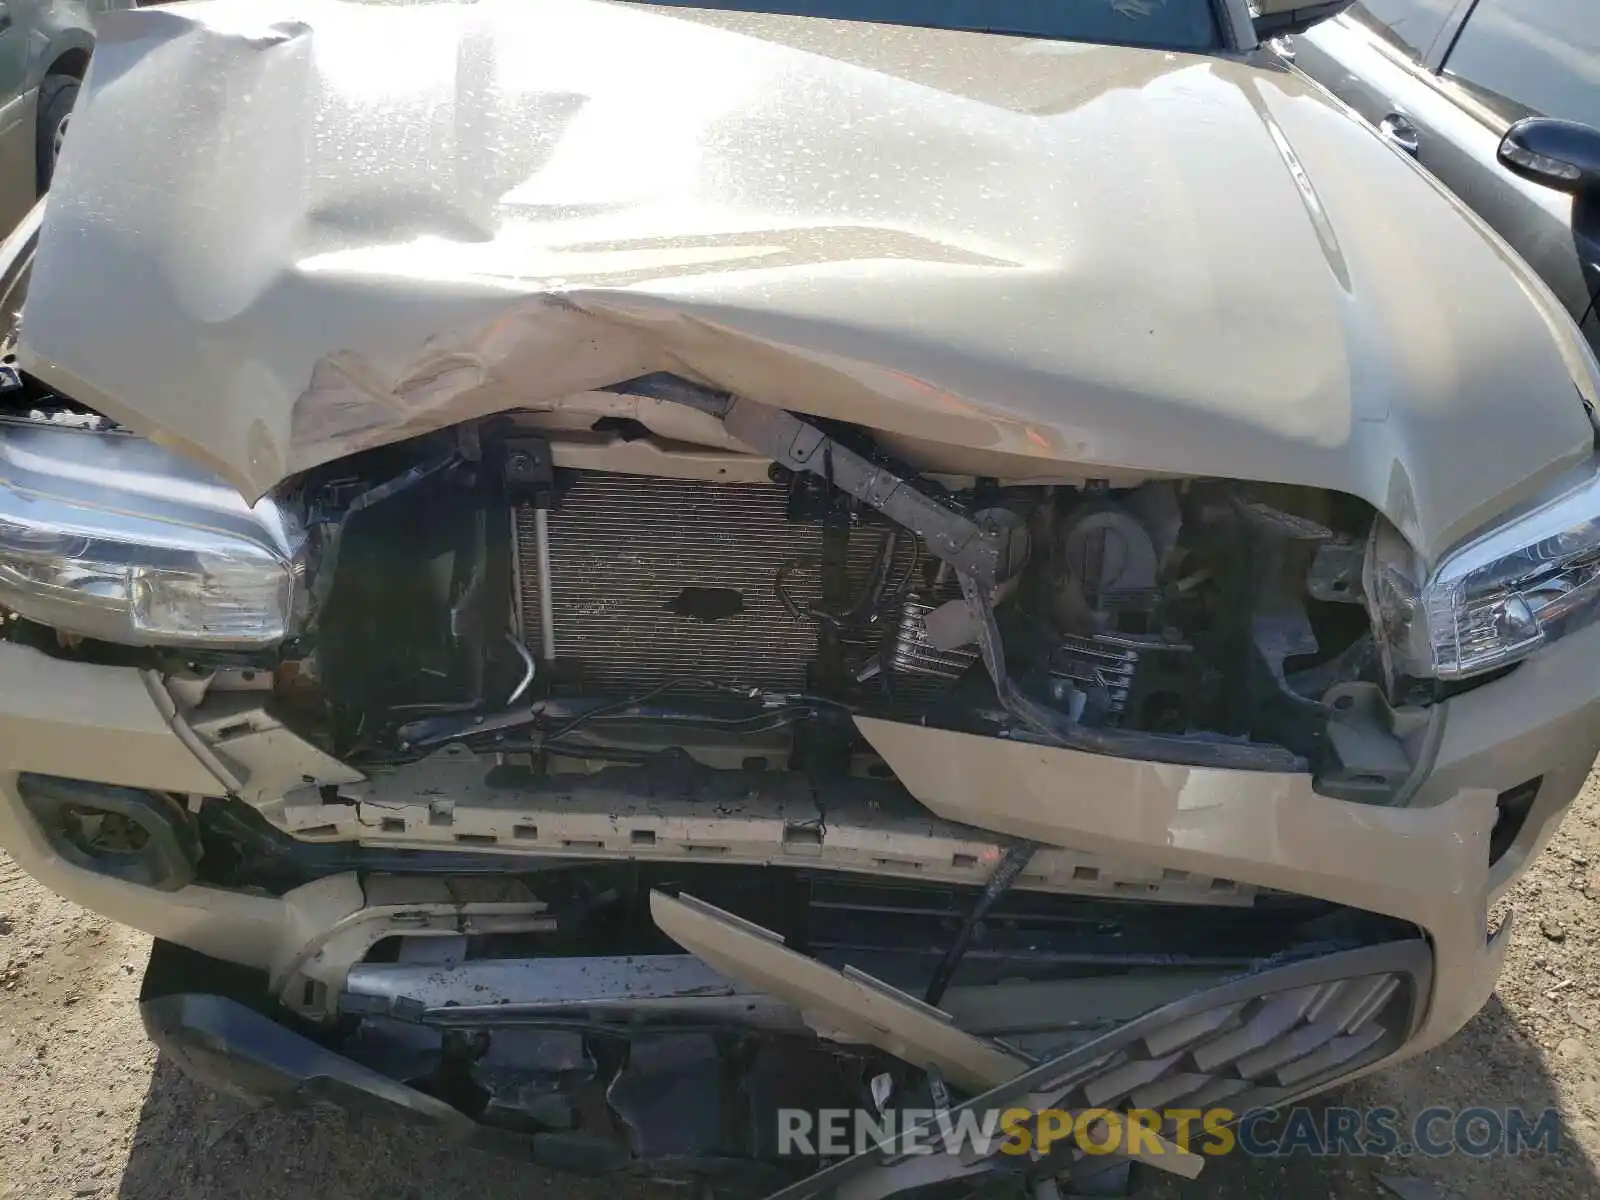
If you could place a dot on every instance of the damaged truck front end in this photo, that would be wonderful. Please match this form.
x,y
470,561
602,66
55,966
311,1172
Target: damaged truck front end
x,y
604,669
613,815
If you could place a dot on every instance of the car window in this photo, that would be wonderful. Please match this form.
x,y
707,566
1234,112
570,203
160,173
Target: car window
x,y
1173,24
1411,25
1532,58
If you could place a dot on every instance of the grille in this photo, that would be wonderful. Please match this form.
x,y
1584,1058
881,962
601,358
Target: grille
x,y
661,579
1255,1043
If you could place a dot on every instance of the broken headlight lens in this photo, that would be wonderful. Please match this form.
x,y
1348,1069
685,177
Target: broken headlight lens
x,y
1494,600
114,538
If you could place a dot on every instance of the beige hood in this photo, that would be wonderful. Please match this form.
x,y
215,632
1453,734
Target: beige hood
x,y
286,230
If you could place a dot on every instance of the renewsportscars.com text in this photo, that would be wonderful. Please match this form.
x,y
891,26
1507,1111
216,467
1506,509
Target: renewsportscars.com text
x,y
1359,1132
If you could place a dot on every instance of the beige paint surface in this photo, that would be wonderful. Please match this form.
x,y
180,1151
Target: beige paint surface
x,y
271,246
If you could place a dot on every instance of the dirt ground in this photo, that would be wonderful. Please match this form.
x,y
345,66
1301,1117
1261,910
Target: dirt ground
x,y
89,1110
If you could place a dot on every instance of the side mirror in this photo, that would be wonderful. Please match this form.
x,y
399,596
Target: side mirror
x,y
1559,154
1275,18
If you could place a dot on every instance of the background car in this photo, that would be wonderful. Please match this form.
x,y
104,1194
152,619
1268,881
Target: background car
x,y
1445,80
44,51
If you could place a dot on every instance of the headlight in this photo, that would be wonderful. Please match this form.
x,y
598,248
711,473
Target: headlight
x,y
1494,600
112,537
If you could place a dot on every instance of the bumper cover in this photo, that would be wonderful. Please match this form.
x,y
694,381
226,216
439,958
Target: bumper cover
x,y
1427,863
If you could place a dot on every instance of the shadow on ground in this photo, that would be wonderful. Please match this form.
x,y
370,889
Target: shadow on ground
x,y
191,1143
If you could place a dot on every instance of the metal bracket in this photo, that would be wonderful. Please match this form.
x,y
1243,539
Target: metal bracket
x,y
528,469
801,446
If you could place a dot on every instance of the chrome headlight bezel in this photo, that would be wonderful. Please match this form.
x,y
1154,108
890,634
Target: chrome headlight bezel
x,y
1493,600
108,536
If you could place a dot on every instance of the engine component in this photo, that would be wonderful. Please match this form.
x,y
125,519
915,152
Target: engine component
x,y
659,579
1103,666
652,580
1108,565
529,471
914,657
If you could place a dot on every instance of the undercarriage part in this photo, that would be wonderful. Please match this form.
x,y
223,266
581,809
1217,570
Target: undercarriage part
x,y
419,907
599,1099
637,990
685,813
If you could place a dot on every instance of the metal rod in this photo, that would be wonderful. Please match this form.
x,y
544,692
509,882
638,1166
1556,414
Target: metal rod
x,y
516,583
1011,865
547,596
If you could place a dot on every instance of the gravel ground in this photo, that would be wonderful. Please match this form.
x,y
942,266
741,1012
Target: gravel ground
x,y
90,1110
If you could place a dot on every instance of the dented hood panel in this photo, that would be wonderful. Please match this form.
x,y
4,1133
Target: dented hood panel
x,y
287,230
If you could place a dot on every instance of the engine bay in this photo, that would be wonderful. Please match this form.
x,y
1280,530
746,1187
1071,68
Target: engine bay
x,y
469,588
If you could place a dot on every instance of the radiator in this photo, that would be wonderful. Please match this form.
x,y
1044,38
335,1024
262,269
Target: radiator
x,y
660,579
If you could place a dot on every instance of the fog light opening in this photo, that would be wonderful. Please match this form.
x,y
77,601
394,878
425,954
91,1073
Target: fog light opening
x,y
1513,806
145,838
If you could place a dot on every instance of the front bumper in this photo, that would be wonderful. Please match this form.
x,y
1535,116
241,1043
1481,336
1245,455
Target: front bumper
x,y
1427,863
1254,1042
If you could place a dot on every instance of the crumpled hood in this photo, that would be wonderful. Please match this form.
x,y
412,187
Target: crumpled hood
x,y
285,230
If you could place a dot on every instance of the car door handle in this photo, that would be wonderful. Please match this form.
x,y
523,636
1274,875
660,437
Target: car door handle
x,y
1399,132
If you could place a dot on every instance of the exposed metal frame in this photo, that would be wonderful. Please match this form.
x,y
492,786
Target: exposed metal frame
x,y
643,988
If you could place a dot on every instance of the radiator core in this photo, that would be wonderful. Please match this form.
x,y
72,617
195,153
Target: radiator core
x,y
661,579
